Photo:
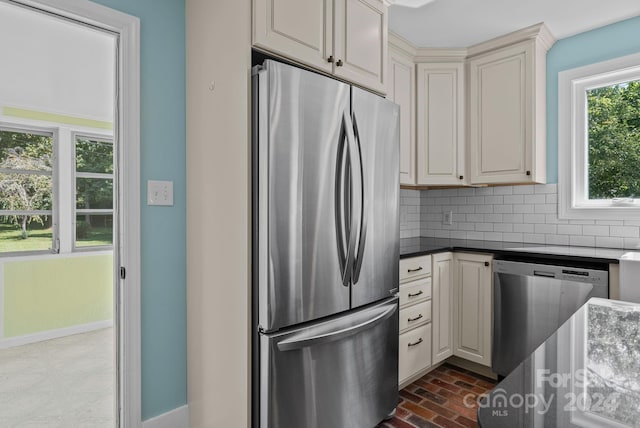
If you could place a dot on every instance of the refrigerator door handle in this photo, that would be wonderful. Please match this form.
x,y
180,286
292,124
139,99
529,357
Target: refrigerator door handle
x,y
364,209
348,208
338,329
342,228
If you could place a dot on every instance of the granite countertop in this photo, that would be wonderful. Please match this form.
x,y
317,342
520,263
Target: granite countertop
x,y
411,247
587,374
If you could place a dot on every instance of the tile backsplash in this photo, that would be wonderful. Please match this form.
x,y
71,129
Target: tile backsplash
x,y
410,202
507,213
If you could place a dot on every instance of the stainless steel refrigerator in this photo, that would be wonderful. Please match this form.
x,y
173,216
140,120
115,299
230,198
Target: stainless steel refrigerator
x,y
325,251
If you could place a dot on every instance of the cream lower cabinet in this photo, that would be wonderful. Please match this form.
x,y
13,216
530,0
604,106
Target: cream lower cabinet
x,y
441,124
415,318
472,304
442,307
347,38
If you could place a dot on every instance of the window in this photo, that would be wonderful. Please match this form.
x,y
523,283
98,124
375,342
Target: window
x,y
56,190
26,190
599,140
93,192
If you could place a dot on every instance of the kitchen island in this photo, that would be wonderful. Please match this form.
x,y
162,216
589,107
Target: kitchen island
x,y
587,374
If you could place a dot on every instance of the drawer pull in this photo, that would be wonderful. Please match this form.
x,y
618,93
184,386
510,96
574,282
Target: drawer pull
x,y
419,341
414,270
415,294
414,319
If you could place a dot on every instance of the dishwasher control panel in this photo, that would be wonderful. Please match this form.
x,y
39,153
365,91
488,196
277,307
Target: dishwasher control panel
x,y
563,273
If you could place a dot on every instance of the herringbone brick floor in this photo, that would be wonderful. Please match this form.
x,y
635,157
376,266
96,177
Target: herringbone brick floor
x,y
445,397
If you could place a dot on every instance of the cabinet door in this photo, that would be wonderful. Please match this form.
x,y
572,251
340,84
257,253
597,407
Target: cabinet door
x,y
360,42
442,307
298,29
501,115
472,306
400,90
441,124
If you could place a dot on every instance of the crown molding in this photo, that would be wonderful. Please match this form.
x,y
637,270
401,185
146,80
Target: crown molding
x,y
440,55
400,43
538,32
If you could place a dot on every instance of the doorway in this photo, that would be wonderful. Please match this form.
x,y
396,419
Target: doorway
x,y
61,234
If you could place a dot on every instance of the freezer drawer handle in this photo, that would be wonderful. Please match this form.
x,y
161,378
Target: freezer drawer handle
x,y
415,294
419,341
337,330
414,270
415,319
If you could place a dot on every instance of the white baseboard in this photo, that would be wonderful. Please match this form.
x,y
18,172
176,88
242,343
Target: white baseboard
x,y
176,418
54,334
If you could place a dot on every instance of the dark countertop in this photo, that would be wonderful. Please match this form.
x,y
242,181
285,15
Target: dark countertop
x,y
587,374
412,247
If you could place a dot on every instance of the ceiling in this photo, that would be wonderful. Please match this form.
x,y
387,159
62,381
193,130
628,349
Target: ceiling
x,y
463,23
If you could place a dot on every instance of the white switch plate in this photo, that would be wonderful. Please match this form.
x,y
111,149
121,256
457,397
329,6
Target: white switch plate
x,y
448,218
160,192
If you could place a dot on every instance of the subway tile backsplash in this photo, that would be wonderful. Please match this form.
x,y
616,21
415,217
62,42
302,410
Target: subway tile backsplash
x,y
507,213
410,204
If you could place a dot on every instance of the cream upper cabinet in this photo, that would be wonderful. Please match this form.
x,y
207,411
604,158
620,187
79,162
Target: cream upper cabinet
x,y
441,126
297,29
360,42
472,296
507,109
442,307
401,90
347,38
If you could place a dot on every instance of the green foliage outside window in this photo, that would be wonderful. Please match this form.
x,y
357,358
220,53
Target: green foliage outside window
x,y
31,190
614,141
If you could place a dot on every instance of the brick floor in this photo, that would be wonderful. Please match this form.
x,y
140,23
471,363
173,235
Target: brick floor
x,y
445,397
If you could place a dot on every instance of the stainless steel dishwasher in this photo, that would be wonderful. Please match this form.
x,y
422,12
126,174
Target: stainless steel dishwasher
x,y
532,300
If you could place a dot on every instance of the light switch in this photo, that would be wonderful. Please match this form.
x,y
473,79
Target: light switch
x,y
447,218
160,192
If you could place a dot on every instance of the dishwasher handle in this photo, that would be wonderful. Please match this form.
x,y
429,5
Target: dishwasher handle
x,y
544,274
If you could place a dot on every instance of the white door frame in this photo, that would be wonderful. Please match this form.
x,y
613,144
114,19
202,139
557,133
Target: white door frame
x,y
127,134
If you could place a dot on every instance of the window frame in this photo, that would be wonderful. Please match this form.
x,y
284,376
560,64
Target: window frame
x,y
573,138
113,176
54,212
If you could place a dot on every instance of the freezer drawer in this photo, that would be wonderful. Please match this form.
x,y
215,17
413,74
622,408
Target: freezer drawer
x,y
338,373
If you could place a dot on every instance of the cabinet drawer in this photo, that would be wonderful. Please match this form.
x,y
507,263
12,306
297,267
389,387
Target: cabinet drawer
x,y
415,291
415,315
414,351
415,267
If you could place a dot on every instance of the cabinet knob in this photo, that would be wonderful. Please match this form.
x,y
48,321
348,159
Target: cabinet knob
x,y
461,177
330,59
528,172
339,63
486,264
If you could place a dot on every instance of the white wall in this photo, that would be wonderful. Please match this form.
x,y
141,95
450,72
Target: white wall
x,y
40,59
218,189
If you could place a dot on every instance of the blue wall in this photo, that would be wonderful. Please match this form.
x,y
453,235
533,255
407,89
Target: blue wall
x,y
601,44
163,229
